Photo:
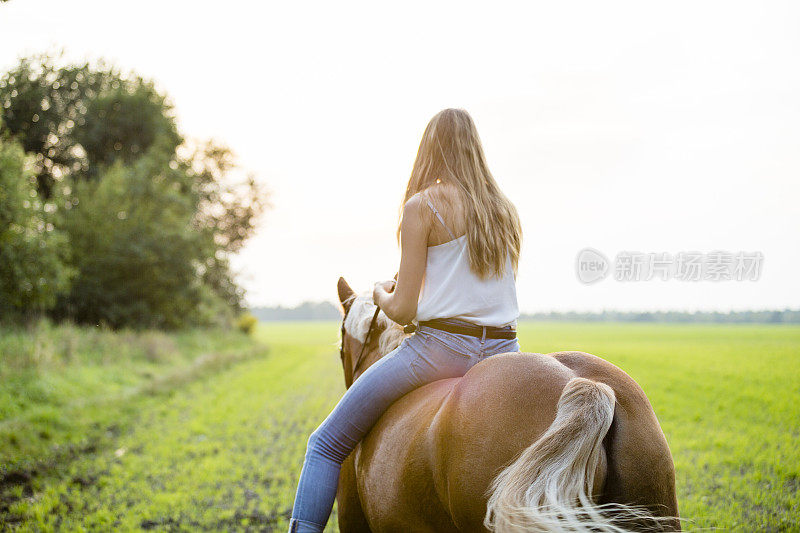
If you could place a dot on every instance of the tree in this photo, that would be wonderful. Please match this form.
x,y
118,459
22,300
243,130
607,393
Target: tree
x,y
121,124
227,211
33,253
134,248
77,119
151,221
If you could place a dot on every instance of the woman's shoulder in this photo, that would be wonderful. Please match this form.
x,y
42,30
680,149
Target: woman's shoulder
x,y
443,189
431,197
416,208
439,195
423,204
444,199
415,203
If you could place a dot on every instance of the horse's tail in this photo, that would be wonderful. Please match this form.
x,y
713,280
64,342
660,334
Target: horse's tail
x,y
548,487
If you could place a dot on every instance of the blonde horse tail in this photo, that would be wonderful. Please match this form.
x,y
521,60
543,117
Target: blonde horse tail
x,y
548,487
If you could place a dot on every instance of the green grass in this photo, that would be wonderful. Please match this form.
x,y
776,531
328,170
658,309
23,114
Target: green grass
x,y
727,399
222,449
67,392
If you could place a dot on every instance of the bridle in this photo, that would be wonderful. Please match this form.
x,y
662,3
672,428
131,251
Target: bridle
x,y
359,360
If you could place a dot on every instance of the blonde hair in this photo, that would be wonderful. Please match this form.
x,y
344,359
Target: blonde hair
x,y
451,152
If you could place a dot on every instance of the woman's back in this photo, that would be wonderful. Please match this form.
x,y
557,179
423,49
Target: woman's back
x,y
451,289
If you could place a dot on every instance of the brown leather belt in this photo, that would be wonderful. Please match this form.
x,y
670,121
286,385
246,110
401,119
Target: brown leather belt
x,y
488,332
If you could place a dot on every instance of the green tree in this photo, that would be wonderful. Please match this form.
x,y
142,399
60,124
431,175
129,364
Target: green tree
x,y
76,119
226,213
33,253
134,248
145,245
121,124
151,221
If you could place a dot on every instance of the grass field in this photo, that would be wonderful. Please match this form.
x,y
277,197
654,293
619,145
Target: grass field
x,y
221,449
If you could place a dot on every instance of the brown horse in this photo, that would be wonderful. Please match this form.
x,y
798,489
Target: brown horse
x,y
522,442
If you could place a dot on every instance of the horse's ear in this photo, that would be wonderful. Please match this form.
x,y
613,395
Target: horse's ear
x,y
345,294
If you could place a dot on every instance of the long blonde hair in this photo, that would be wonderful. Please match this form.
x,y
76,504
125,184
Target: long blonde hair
x,y
451,151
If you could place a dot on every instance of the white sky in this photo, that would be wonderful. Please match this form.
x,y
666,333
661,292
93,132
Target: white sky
x,y
620,126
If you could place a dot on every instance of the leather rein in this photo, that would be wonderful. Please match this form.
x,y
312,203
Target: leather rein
x,y
359,360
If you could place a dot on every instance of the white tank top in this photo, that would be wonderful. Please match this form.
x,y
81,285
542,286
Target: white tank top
x,y
451,290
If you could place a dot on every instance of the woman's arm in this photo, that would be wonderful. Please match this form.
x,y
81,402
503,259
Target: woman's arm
x,y
401,304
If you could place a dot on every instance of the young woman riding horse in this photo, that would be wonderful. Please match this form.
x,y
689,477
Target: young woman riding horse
x,y
460,240
521,442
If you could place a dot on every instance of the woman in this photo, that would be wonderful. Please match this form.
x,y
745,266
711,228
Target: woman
x,y
467,310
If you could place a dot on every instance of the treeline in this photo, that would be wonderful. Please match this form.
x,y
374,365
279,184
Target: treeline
x,y
733,317
328,311
304,311
108,215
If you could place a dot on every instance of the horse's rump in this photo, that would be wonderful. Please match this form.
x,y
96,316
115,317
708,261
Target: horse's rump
x,y
428,463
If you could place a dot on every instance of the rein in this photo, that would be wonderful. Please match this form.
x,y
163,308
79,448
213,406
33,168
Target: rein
x,y
359,360
408,329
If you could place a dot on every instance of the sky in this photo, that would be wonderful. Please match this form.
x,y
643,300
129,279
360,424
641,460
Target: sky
x,y
618,126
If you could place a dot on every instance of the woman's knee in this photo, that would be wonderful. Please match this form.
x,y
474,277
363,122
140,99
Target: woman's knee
x,y
313,439
322,443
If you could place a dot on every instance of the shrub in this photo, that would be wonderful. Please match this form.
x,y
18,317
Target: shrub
x,y
246,323
33,270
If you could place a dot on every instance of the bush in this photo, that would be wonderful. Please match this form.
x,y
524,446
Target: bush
x,y
33,253
246,323
134,249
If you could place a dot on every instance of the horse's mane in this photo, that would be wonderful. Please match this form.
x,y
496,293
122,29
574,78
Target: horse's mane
x,y
359,318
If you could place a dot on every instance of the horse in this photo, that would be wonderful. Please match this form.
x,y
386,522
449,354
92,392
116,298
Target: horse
x,y
564,441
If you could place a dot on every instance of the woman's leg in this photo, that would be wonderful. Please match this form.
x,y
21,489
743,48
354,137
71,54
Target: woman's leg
x,y
362,404
417,361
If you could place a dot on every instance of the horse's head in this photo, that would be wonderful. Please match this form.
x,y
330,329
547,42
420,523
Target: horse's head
x,y
357,314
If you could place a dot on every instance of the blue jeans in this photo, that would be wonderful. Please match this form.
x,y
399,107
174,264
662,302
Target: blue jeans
x,y
428,355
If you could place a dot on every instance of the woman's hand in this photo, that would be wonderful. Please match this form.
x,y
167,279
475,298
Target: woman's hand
x,y
381,290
